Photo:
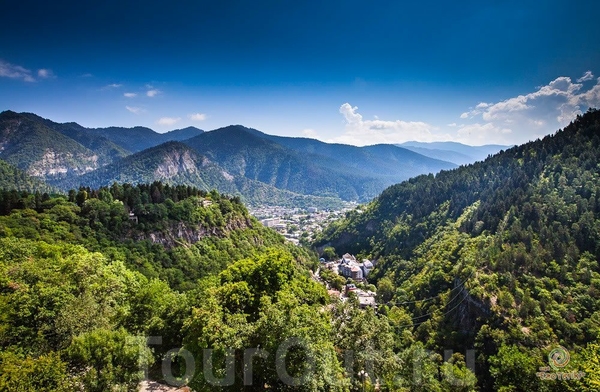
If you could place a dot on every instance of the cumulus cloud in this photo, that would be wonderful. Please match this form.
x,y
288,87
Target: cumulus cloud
x,y
197,116
365,132
586,76
529,116
168,120
135,110
560,98
112,86
8,70
130,95
510,121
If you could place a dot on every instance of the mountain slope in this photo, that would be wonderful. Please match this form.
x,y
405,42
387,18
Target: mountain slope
x,y
107,150
41,151
242,153
382,160
171,162
13,178
176,163
501,255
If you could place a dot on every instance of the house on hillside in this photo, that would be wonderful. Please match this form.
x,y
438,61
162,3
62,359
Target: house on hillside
x,y
132,217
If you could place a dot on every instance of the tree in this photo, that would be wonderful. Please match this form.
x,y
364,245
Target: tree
x,y
329,253
385,290
106,359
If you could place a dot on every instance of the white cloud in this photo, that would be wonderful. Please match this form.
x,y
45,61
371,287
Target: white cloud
x,y
311,133
365,132
168,120
135,110
152,93
586,76
513,120
111,86
197,116
534,114
86,75
130,95
559,98
12,71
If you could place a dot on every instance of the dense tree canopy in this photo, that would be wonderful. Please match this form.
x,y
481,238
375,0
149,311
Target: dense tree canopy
x,y
500,256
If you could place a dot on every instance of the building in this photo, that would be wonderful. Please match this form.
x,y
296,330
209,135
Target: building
x,y
349,267
132,217
271,222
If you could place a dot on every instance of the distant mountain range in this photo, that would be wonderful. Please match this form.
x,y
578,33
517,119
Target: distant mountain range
x,y
260,168
458,153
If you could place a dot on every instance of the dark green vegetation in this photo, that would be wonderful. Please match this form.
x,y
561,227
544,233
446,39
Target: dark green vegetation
x,y
80,279
312,167
13,178
260,168
500,256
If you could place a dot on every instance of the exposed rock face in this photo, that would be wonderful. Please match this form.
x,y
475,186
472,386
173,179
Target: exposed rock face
x,y
40,151
179,233
56,164
176,163
227,176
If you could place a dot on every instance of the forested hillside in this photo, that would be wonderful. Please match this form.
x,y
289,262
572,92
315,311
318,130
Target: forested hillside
x,y
388,162
242,152
40,151
82,276
12,178
177,163
500,256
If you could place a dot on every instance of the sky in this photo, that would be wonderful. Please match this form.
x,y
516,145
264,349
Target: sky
x,y
356,71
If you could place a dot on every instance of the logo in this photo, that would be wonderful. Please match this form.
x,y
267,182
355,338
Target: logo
x,y
558,358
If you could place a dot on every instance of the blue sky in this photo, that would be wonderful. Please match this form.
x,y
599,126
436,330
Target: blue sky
x,y
359,72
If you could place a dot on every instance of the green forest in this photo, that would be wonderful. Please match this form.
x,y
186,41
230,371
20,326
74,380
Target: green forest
x,y
487,278
500,257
